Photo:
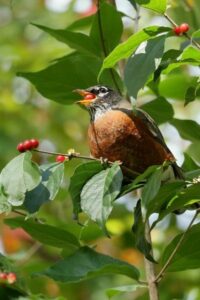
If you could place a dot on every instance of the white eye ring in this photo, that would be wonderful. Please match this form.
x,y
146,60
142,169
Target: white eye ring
x,y
102,90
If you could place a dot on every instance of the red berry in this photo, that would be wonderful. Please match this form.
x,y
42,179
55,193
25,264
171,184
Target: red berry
x,y
20,147
60,158
177,30
11,278
34,143
184,27
27,145
3,276
89,97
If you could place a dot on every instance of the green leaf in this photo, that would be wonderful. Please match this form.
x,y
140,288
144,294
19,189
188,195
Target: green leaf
x,y
188,255
40,297
152,187
127,48
160,116
189,56
75,40
175,85
99,192
190,95
192,92
138,182
179,198
104,33
192,174
158,6
189,164
19,176
166,192
139,233
185,197
191,53
85,264
142,64
168,58
194,151
73,71
46,234
188,129
111,292
81,175
5,206
52,177
81,23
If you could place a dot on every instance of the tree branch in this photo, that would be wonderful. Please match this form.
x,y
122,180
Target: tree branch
x,y
160,274
195,43
150,269
101,34
75,155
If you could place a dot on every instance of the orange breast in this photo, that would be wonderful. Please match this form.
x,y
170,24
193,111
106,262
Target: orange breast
x,y
117,136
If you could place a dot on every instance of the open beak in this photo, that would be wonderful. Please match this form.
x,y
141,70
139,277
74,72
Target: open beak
x,y
88,97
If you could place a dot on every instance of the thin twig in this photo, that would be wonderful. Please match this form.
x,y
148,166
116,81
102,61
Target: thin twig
x,y
78,156
25,215
101,34
160,274
30,252
185,34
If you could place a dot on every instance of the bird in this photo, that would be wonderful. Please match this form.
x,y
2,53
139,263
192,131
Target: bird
x,y
117,132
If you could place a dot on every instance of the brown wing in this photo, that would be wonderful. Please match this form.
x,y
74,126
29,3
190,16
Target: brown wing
x,y
153,129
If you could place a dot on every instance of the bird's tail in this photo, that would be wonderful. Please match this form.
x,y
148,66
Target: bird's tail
x,y
178,172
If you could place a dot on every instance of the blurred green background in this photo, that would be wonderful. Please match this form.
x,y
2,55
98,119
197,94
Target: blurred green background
x,y
26,114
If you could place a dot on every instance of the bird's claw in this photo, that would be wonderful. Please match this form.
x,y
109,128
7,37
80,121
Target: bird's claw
x,y
104,161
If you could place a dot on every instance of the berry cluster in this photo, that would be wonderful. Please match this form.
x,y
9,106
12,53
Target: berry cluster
x,y
183,28
8,277
28,145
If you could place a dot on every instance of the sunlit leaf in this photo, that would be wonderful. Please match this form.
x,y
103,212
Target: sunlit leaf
x,y
19,176
152,186
128,47
81,175
52,176
99,192
158,6
142,64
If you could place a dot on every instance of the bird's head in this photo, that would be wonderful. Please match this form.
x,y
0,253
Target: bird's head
x,y
98,97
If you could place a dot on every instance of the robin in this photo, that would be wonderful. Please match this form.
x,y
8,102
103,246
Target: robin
x,y
119,133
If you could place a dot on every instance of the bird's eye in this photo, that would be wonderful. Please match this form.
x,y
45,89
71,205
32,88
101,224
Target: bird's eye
x,y
102,90
93,91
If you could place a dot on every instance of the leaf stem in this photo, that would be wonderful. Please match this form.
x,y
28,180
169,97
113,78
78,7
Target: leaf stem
x,y
25,215
101,34
78,156
195,43
160,274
